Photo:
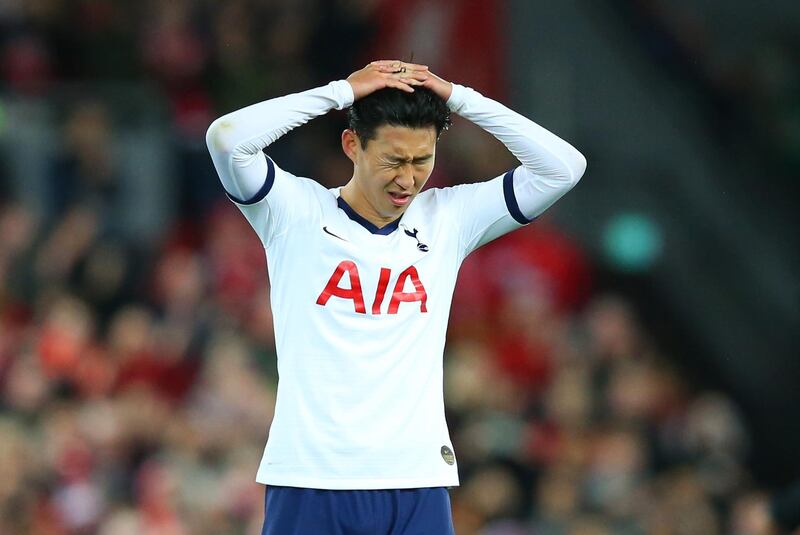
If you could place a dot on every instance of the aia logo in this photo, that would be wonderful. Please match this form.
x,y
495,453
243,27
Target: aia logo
x,y
354,293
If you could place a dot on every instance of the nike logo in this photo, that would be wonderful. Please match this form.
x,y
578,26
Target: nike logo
x,y
325,228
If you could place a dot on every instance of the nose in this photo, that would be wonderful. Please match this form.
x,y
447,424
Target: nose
x,y
405,178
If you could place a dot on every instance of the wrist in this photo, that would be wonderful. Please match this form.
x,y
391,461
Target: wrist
x,y
449,91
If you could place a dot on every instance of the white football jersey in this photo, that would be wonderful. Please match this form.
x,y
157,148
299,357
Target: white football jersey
x,y
361,313
360,320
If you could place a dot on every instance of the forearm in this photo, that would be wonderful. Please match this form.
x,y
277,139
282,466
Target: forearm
x,y
551,166
236,140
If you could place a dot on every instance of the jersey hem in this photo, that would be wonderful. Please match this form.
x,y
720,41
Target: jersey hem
x,y
357,484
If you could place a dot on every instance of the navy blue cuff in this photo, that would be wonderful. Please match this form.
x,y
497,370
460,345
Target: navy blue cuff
x,y
260,194
511,199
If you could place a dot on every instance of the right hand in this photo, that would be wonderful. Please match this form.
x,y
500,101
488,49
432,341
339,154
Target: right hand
x,y
387,73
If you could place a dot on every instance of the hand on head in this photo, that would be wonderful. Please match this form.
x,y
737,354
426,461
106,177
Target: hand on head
x,y
398,74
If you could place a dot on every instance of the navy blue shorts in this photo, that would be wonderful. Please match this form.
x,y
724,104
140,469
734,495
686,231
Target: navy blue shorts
x,y
295,511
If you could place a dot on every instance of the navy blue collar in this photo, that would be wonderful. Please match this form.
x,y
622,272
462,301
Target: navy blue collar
x,y
352,214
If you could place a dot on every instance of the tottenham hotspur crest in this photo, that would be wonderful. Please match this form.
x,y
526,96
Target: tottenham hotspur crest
x,y
413,234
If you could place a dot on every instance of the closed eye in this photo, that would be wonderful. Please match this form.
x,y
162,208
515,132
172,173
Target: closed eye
x,y
392,162
396,162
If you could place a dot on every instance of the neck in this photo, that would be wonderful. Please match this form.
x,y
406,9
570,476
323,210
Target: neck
x,y
356,199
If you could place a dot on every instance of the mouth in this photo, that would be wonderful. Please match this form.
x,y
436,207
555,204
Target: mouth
x,y
400,199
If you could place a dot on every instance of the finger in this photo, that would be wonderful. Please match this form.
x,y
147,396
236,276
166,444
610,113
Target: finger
x,y
397,84
398,64
387,62
409,77
415,75
409,66
407,73
415,67
413,82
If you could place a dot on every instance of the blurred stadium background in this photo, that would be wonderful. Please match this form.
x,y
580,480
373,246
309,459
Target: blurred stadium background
x,y
627,364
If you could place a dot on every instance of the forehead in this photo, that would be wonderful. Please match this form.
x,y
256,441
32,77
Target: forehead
x,y
403,141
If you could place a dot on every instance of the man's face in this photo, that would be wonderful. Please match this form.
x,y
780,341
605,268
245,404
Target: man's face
x,y
393,168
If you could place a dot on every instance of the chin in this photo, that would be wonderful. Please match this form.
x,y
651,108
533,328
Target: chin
x,y
399,209
393,211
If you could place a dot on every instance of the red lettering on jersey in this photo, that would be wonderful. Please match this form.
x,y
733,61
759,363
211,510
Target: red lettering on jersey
x,y
399,296
354,292
383,283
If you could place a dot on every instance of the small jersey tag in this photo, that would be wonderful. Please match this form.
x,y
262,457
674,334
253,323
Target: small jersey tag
x,y
447,455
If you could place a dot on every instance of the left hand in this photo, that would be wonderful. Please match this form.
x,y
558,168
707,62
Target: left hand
x,y
438,85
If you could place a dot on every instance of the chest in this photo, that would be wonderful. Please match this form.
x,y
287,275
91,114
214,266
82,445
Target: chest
x,y
350,270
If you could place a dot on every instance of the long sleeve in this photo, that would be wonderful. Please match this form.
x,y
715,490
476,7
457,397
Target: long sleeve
x,y
550,165
236,140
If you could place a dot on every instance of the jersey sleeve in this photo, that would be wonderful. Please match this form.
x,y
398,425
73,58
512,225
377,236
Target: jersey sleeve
x,y
550,168
484,211
270,198
284,199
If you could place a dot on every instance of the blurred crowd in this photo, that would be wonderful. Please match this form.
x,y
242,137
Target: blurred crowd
x,y
137,359
750,79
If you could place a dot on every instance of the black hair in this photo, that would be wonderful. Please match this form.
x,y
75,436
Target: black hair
x,y
396,107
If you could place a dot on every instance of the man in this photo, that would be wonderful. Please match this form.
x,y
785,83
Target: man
x,y
362,278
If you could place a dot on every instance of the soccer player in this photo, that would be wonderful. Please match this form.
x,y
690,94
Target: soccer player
x,y
362,278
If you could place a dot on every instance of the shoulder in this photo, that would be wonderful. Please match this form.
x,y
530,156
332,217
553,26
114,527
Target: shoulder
x,y
430,201
433,204
308,187
437,197
443,197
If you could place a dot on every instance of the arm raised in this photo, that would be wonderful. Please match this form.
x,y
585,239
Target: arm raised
x,y
550,165
236,140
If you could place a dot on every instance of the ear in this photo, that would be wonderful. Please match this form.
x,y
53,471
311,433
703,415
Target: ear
x,y
351,145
